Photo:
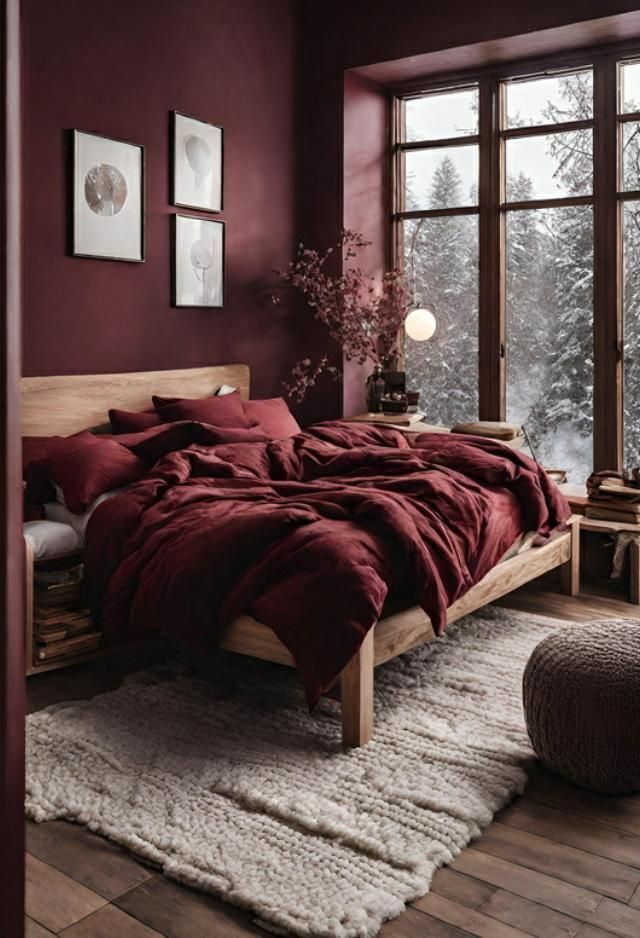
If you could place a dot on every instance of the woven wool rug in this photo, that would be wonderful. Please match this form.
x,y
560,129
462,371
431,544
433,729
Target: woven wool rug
x,y
218,775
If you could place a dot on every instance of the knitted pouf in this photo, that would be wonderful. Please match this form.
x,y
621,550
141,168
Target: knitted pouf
x,y
581,691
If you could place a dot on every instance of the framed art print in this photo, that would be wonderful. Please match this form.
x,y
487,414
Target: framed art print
x,y
197,164
198,261
108,198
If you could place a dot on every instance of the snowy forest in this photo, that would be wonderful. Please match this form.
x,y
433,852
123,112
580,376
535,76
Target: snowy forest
x,y
549,295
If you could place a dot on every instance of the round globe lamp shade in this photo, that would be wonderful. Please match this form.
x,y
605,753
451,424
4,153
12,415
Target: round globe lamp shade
x,y
420,325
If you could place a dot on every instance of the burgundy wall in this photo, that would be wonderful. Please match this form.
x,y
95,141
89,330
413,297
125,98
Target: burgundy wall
x,y
120,72
365,197
272,72
336,36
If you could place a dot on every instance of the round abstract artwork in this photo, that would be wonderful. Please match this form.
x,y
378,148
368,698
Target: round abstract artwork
x,y
105,189
199,157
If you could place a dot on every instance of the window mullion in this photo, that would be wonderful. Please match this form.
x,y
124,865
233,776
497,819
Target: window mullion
x,y
607,392
491,246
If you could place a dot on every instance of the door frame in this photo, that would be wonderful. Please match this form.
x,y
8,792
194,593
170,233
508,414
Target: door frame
x,y
12,682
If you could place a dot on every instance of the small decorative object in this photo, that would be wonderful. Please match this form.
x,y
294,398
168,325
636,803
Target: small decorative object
x,y
559,476
375,390
197,163
394,403
108,198
632,477
198,262
363,315
394,380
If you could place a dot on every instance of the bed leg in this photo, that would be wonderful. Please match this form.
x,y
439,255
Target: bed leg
x,y
356,685
570,571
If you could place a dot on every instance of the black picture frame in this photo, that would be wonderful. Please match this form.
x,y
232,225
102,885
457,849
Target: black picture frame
x,y
75,250
174,197
177,301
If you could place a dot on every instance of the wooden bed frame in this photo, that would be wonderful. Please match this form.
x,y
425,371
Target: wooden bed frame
x,y
69,403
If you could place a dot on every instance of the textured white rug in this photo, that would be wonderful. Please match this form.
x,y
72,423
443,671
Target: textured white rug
x,y
224,780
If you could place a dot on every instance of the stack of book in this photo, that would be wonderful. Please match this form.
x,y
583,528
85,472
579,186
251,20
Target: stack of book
x,y
614,501
62,628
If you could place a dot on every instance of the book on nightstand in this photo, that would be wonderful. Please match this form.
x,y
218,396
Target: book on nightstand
x,y
614,501
68,647
404,420
62,628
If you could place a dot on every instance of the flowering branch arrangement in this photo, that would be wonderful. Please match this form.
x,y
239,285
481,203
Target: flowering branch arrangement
x,y
363,314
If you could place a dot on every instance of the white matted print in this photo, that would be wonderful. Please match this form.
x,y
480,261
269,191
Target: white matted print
x,y
108,198
198,261
197,163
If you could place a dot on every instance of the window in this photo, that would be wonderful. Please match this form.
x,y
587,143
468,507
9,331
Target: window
x,y
549,267
440,246
517,219
629,140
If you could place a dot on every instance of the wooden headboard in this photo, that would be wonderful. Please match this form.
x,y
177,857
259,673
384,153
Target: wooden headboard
x,y
65,404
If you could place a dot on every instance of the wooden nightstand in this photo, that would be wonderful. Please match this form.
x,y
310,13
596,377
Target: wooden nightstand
x,y
576,495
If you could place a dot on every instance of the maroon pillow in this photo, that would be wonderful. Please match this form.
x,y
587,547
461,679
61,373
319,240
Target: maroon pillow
x,y
179,435
86,472
273,417
158,401
41,447
133,421
223,411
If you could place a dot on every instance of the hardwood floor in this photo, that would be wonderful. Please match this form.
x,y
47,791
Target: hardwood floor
x,y
559,862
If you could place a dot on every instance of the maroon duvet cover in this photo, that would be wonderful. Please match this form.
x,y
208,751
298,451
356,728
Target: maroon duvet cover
x,y
309,535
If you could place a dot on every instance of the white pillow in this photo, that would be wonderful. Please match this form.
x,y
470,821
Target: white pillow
x,y
49,539
225,389
58,511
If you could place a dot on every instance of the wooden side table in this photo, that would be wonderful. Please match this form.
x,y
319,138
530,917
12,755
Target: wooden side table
x,y
600,526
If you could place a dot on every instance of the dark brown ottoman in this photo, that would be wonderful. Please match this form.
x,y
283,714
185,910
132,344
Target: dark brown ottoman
x,y
581,692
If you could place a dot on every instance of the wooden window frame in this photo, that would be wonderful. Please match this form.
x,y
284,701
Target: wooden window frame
x,y
607,199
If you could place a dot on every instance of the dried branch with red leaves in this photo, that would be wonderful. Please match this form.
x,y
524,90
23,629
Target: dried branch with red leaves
x,y
363,314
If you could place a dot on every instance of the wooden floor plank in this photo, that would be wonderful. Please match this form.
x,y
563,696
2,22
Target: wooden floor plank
x,y
35,930
539,887
109,922
545,787
460,888
591,836
583,904
617,918
54,899
89,859
634,901
590,931
414,924
178,912
566,863
531,917
469,920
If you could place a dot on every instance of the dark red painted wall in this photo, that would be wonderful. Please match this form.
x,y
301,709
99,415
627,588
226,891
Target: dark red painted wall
x,y
119,70
272,73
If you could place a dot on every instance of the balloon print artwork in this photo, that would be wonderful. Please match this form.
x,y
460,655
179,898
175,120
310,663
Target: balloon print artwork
x,y
201,255
197,163
199,157
198,262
